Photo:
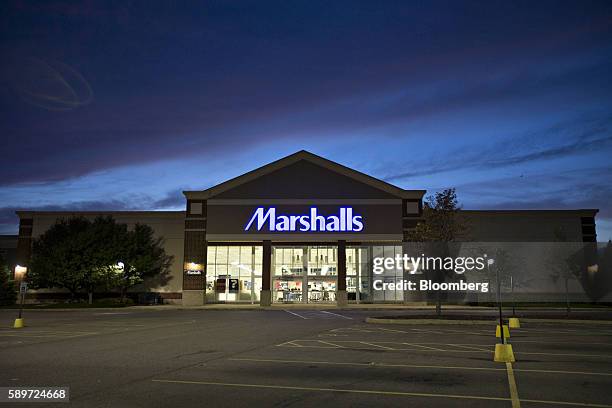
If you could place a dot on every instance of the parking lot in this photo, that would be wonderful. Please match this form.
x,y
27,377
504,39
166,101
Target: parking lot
x,y
300,358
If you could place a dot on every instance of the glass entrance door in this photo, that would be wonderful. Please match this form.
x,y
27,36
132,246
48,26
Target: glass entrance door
x,y
233,273
304,274
322,274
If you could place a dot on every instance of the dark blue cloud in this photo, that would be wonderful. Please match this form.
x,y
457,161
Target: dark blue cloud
x,y
584,136
433,93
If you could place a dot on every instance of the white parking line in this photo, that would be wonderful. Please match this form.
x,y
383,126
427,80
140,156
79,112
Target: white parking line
x,y
330,343
111,313
350,329
336,314
441,367
337,390
295,314
376,345
469,347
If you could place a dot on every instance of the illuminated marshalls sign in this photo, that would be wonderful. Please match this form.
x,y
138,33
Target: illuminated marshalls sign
x,y
344,221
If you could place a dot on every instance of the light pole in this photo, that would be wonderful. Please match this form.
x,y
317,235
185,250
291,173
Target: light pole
x,y
503,351
499,300
20,275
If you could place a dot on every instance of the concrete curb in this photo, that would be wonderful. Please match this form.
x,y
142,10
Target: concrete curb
x,y
492,322
426,321
291,306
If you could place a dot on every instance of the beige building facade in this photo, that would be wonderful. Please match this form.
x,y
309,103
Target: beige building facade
x,y
302,229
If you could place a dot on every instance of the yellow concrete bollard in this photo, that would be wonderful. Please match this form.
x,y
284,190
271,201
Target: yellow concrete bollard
x,y
514,323
506,331
504,353
18,324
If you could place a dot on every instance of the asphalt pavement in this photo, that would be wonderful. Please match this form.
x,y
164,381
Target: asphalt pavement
x,y
299,358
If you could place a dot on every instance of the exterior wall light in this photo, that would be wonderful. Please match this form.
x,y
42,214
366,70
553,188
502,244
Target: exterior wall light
x,y
591,269
192,266
20,272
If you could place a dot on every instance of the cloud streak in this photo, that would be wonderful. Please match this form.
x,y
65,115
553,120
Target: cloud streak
x,y
172,200
293,82
503,154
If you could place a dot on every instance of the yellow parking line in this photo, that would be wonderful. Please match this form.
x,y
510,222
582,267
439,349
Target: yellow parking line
x,y
342,390
516,403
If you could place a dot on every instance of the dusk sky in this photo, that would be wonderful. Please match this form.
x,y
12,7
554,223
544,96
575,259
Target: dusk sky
x,y
122,105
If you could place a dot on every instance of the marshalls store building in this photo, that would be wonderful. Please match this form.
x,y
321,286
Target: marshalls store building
x,y
302,229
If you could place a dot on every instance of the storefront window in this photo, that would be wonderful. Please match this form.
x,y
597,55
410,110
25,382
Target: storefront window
x,y
300,274
360,276
288,261
389,275
233,273
304,274
322,274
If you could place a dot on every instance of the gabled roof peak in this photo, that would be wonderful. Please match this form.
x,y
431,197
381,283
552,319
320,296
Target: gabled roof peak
x,y
312,158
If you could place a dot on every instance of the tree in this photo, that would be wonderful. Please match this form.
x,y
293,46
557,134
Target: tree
x,y
441,219
106,241
8,294
592,268
143,257
509,265
81,255
561,266
441,224
62,256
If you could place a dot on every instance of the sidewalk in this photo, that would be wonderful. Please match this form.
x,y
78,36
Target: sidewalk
x,y
239,306
290,306
248,306
412,309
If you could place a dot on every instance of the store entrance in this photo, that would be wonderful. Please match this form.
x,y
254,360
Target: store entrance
x,y
234,273
304,274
